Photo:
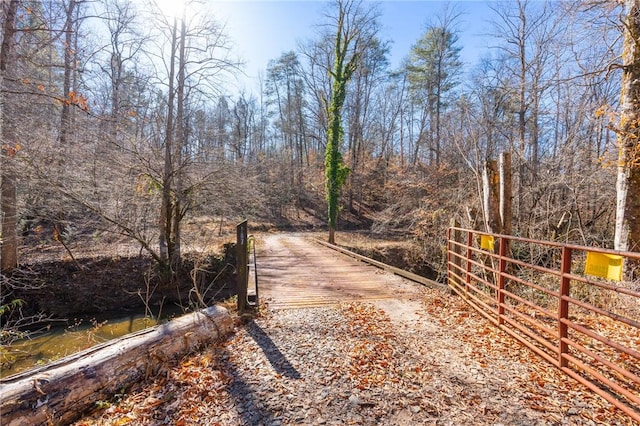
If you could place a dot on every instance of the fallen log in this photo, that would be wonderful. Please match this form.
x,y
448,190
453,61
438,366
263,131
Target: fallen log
x,y
61,392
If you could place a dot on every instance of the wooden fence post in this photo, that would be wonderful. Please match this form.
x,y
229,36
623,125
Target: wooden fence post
x,y
491,197
506,194
241,266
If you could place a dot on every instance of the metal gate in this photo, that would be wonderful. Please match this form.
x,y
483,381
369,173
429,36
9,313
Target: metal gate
x,y
568,304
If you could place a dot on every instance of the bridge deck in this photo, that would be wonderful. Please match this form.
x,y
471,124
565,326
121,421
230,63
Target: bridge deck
x,y
296,272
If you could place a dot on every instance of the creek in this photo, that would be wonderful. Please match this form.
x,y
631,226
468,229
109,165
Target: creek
x,y
60,341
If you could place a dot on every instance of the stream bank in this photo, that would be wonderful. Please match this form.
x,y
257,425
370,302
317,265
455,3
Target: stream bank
x,y
92,300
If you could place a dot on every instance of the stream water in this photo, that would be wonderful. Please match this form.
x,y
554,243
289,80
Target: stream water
x,y
58,342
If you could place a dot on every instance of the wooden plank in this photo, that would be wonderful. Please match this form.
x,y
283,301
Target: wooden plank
x,y
64,390
397,271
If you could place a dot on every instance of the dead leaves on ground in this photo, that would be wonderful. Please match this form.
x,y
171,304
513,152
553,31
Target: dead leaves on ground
x,y
178,396
372,356
546,388
376,362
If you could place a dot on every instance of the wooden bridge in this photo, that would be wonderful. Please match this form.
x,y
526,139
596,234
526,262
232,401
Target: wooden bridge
x,y
296,272
586,326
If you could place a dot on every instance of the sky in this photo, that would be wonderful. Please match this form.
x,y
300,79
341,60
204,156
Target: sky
x,y
262,30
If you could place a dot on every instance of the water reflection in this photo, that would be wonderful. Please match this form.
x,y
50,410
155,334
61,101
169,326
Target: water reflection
x,y
59,342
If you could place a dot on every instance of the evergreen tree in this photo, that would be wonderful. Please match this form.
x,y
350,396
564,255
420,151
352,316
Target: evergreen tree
x,y
433,67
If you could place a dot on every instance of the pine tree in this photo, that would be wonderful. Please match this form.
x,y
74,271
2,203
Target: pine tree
x,y
433,67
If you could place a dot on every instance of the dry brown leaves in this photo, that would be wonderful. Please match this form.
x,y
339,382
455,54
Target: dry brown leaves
x,y
548,389
359,367
371,358
178,396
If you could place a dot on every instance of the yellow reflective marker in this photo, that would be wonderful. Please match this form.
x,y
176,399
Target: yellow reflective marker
x,y
486,242
603,265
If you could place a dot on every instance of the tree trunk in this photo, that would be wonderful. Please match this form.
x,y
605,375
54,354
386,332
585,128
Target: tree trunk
x,y
491,196
9,219
627,231
9,251
166,214
65,115
335,171
178,170
62,392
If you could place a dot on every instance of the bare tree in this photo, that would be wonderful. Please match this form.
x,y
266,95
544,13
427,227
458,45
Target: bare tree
x,y
627,235
371,73
198,55
9,143
529,30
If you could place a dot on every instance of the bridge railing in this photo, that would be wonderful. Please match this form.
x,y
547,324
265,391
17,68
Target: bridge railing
x,y
569,304
246,268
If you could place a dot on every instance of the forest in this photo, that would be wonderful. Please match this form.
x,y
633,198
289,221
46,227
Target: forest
x,y
117,124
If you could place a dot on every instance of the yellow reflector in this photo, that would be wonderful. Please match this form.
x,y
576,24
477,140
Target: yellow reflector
x,y
602,265
486,242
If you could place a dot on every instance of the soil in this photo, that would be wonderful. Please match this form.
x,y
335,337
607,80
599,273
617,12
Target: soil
x,y
111,278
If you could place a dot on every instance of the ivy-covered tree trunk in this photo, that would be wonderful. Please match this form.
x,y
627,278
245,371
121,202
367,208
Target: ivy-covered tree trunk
x,y
627,235
335,170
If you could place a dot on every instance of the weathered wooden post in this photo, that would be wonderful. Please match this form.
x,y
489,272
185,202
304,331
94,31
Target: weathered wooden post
x,y
506,194
241,266
491,197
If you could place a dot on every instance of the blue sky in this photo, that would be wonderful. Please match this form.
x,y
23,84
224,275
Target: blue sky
x,y
263,29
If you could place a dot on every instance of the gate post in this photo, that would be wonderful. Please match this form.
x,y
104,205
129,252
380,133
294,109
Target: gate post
x,y
454,238
502,266
241,266
467,276
563,306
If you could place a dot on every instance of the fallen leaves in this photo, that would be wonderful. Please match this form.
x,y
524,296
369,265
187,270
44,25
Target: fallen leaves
x,y
546,388
372,355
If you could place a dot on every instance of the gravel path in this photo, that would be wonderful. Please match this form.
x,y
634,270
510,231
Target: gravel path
x,y
341,368
428,360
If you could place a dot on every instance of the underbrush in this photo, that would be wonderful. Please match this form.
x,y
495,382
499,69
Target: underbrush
x,y
403,254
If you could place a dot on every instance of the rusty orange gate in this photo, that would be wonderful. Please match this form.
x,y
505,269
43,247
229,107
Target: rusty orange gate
x,y
569,304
